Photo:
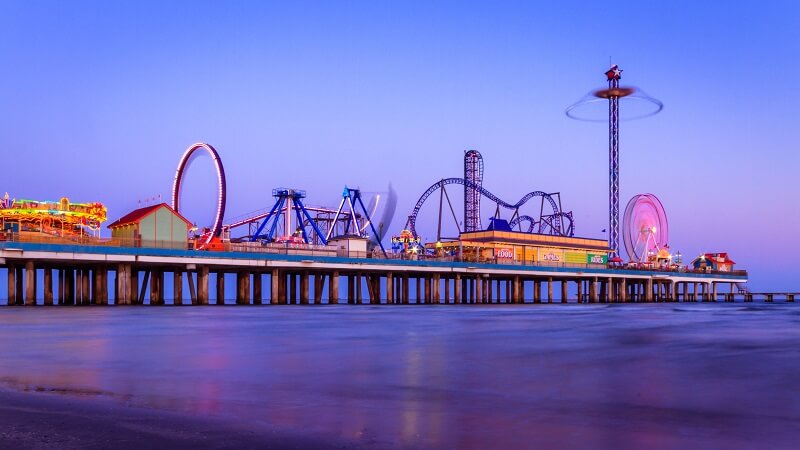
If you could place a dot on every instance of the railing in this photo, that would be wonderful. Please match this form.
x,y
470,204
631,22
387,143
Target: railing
x,y
329,250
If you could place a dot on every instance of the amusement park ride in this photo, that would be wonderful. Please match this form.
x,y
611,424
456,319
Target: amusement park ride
x,y
58,219
549,220
581,111
645,232
289,221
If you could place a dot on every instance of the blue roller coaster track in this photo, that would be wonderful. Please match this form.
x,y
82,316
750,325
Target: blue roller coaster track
x,y
558,223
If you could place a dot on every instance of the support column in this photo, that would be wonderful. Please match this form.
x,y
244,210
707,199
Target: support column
x,y
243,288
389,288
258,296
94,299
333,288
319,284
292,288
374,289
457,285
154,299
69,283
602,293
447,298
87,288
623,290
304,287
359,297
473,297
104,285
220,288
550,290
351,289
30,283
133,285
580,291
593,290
202,285
274,288
12,285
177,287
564,290
48,286
406,289
121,289
60,294
478,289
427,288
537,291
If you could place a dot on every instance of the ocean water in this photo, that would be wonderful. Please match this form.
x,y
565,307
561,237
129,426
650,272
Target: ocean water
x,y
467,376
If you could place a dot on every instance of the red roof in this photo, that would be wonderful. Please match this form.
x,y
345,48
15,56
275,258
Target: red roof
x,y
717,256
137,215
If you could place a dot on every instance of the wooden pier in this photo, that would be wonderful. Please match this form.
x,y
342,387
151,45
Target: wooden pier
x,y
47,274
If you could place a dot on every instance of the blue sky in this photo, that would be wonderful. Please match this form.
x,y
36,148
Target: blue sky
x,y
99,99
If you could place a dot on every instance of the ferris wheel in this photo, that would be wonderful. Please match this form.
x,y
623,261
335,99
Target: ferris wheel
x,y
645,229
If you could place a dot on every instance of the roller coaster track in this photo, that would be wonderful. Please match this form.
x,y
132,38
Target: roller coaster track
x,y
523,218
545,221
557,214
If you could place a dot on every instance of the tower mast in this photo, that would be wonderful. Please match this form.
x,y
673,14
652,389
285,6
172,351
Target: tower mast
x,y
613,75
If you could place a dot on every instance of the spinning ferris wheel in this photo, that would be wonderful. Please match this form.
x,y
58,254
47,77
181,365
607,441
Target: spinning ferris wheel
x,y
645,229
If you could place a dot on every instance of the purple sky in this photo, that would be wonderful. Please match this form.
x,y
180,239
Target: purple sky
x,y
98,100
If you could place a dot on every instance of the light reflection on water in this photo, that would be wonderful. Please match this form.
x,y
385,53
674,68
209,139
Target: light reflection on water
x,y
622,376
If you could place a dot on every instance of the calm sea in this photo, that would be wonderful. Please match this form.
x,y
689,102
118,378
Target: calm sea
x,y
546,376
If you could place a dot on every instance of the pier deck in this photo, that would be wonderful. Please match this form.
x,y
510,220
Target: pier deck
x,y
131,275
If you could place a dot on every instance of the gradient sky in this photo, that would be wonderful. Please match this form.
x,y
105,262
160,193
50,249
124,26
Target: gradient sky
x,y
99,99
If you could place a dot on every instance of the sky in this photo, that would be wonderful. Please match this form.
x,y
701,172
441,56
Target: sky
x,y
98,100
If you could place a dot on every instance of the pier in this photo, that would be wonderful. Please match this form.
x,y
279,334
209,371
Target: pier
x,y
63,274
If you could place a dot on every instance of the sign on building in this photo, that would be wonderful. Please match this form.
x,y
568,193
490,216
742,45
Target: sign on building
x,y
594,258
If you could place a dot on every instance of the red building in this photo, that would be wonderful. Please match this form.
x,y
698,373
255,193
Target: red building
x,y
718,262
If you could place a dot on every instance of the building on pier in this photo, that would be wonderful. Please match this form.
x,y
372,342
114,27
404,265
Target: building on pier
x,y
718,262
525,248
152,226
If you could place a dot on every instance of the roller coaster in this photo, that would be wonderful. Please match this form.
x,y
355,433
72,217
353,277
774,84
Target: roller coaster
x,y
552,220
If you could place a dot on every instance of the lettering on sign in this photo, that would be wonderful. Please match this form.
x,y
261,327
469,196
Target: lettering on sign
x,y
552,256
596,259
505,253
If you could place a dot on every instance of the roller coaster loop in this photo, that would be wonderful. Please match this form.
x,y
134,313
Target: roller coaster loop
x,y
216,228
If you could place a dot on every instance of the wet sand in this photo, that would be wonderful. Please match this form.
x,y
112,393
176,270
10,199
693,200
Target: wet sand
x,y
549,376
66,421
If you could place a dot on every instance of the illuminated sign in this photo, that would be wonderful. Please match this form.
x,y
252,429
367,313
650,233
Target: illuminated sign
x,y
574,258
596,259
504,253
550,255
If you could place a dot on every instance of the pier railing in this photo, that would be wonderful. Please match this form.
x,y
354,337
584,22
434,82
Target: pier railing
x,y
326,250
